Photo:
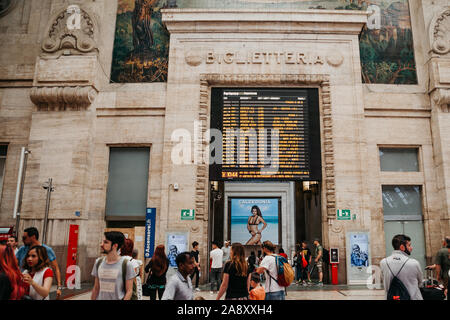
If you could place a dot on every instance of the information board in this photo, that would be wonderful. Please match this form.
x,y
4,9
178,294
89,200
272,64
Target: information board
x,y
266,134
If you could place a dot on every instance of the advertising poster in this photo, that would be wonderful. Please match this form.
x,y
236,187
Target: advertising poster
x,y
176,243
254,220
150,221
358,255
359,244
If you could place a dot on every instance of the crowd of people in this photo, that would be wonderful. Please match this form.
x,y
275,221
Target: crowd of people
x,y
238,277
27,273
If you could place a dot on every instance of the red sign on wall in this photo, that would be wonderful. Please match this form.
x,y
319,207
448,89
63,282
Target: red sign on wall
x,y
72,250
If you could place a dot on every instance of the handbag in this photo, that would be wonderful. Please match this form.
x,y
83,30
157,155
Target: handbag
x,y
304,262
146,290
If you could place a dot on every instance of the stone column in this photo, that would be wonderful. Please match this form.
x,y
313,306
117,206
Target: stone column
x,y
439,70
62,129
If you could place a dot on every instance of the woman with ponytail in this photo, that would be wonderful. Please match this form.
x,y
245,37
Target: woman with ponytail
x,y
12,286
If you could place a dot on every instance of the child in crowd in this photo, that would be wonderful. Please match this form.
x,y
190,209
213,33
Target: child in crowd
x,y
257,293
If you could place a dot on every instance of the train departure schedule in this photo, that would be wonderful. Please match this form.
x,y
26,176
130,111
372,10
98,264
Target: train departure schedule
x,y
266,133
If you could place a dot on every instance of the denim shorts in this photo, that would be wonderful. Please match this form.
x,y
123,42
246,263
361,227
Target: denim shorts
x,y
278,295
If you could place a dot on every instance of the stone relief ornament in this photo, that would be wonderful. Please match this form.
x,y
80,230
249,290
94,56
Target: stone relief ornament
x,y
71,32
441,98
193,58
440,36
63,98
335,59
6,6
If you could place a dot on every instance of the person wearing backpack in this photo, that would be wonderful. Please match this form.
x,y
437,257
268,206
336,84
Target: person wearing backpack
x,y
402,275
127,252
114,275
269,266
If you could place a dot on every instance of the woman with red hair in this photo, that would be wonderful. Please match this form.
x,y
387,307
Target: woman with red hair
x,y
126,251
157,267
12,286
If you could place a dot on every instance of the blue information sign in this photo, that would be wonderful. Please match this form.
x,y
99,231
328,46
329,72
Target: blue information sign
x,y
150,221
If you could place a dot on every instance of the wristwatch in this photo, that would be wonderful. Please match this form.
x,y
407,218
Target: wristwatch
x,y
59,287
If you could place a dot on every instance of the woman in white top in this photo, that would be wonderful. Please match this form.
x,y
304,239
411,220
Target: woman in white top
x,y
38,275
138,266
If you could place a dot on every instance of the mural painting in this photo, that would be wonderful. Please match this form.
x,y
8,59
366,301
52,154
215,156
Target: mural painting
x,y
141,44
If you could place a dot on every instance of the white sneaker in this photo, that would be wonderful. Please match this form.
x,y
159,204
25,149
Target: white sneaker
x,y
197,289
211,292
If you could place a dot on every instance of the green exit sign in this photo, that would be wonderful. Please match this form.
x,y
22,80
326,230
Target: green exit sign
x,y
187,214
344,215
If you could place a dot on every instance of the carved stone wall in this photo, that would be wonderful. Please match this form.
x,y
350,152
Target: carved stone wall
x,y
440,33
72,31
67,67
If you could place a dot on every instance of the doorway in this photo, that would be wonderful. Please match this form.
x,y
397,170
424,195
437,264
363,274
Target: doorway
x,y
414,230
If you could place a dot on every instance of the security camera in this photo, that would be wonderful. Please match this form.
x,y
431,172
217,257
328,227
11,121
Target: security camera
x,y
175,186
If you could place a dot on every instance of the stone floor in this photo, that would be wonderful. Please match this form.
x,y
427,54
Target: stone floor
x,y
294,292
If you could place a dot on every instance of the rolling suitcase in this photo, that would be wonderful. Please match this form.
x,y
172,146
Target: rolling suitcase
x,y
431,289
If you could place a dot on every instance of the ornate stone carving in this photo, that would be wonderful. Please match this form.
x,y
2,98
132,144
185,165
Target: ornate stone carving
x,y
63,98
320,80
71,32
441,98
440,36
335,59
336,227
193,58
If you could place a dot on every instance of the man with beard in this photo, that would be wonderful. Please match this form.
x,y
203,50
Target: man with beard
x,y
110,281
406,269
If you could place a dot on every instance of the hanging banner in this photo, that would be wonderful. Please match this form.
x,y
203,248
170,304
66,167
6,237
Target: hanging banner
x,y
150,221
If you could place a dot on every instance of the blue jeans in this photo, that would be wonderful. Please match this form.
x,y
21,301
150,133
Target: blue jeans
x,y
298,272
278,295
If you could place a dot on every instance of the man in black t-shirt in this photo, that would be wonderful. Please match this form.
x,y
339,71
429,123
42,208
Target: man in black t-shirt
x,y
304,271
195,254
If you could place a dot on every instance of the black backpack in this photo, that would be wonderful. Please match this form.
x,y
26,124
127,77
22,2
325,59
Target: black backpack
x,y
397,290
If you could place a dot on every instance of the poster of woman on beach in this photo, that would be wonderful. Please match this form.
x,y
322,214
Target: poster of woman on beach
x,y
254,220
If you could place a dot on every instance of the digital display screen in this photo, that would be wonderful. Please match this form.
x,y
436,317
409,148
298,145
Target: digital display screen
x,y
265,134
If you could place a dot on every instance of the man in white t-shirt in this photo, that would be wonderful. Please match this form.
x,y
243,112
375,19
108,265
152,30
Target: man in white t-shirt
x,y
216,256
110,283
268,265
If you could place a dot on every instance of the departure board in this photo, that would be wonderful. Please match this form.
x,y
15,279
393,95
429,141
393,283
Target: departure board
x,y
266,134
